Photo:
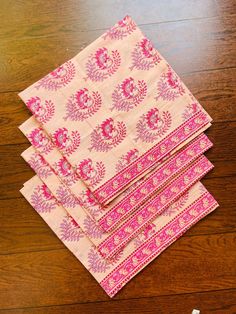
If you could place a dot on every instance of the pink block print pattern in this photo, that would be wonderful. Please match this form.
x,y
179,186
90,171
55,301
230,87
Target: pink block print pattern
x,y
82,105
65,171
43,111
190,110
38,164
42,199
102,64
128,94
107,135
40,141
153,125
169,87
66,141
69,230
151,157
153,207
154,182
157,243
58,78
144,56
123,28
126,159
91,172
176,206
66,198
90,203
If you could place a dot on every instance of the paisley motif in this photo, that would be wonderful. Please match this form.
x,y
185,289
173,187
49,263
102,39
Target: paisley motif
x,y
128,94
43,111
82,105
65,141
144,56
153,125
92,173
107,135
58,78
102,64
169,87
122,29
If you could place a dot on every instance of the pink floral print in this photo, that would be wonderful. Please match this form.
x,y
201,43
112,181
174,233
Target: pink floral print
x,y
39,165
169,87
64,170
102,64
176,206
144,55
40,141
190,111
126,159
122,29
69,230
43,200
43,111
107,135
58,78
93,173
152,125
82,105
128,94
65,141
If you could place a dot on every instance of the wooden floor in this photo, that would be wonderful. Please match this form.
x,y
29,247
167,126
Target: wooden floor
x,y
39,275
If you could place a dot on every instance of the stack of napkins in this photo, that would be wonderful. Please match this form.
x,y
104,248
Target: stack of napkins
x,y
117,145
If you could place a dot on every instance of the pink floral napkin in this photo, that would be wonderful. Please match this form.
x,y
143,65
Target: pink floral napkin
x,y
74,205
112,275
118,151
117,102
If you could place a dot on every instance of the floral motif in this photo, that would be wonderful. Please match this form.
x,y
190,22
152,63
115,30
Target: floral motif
x,y
102,64
82,105
66,198
70,230
153,125
66,142
176,206
169,87
58,78
40,141
90,172
96,263
144,235
107,135
39,165
126,159
122,29
190,111
92,229
42,199
144,55
43,112
90,203
128,94
65,170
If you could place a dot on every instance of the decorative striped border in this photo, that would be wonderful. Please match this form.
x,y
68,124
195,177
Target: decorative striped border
x,y
155,206
134,263
149,186
110,188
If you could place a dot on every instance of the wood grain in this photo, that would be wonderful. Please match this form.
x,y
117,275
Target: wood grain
x,y
37,273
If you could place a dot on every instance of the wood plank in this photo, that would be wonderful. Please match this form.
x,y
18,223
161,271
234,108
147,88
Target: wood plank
x,y
191,264
31,19
28,232
217,302
190,45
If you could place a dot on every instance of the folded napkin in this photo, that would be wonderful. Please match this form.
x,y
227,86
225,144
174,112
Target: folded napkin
x,y
114,274
118,151
127,202
118,106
